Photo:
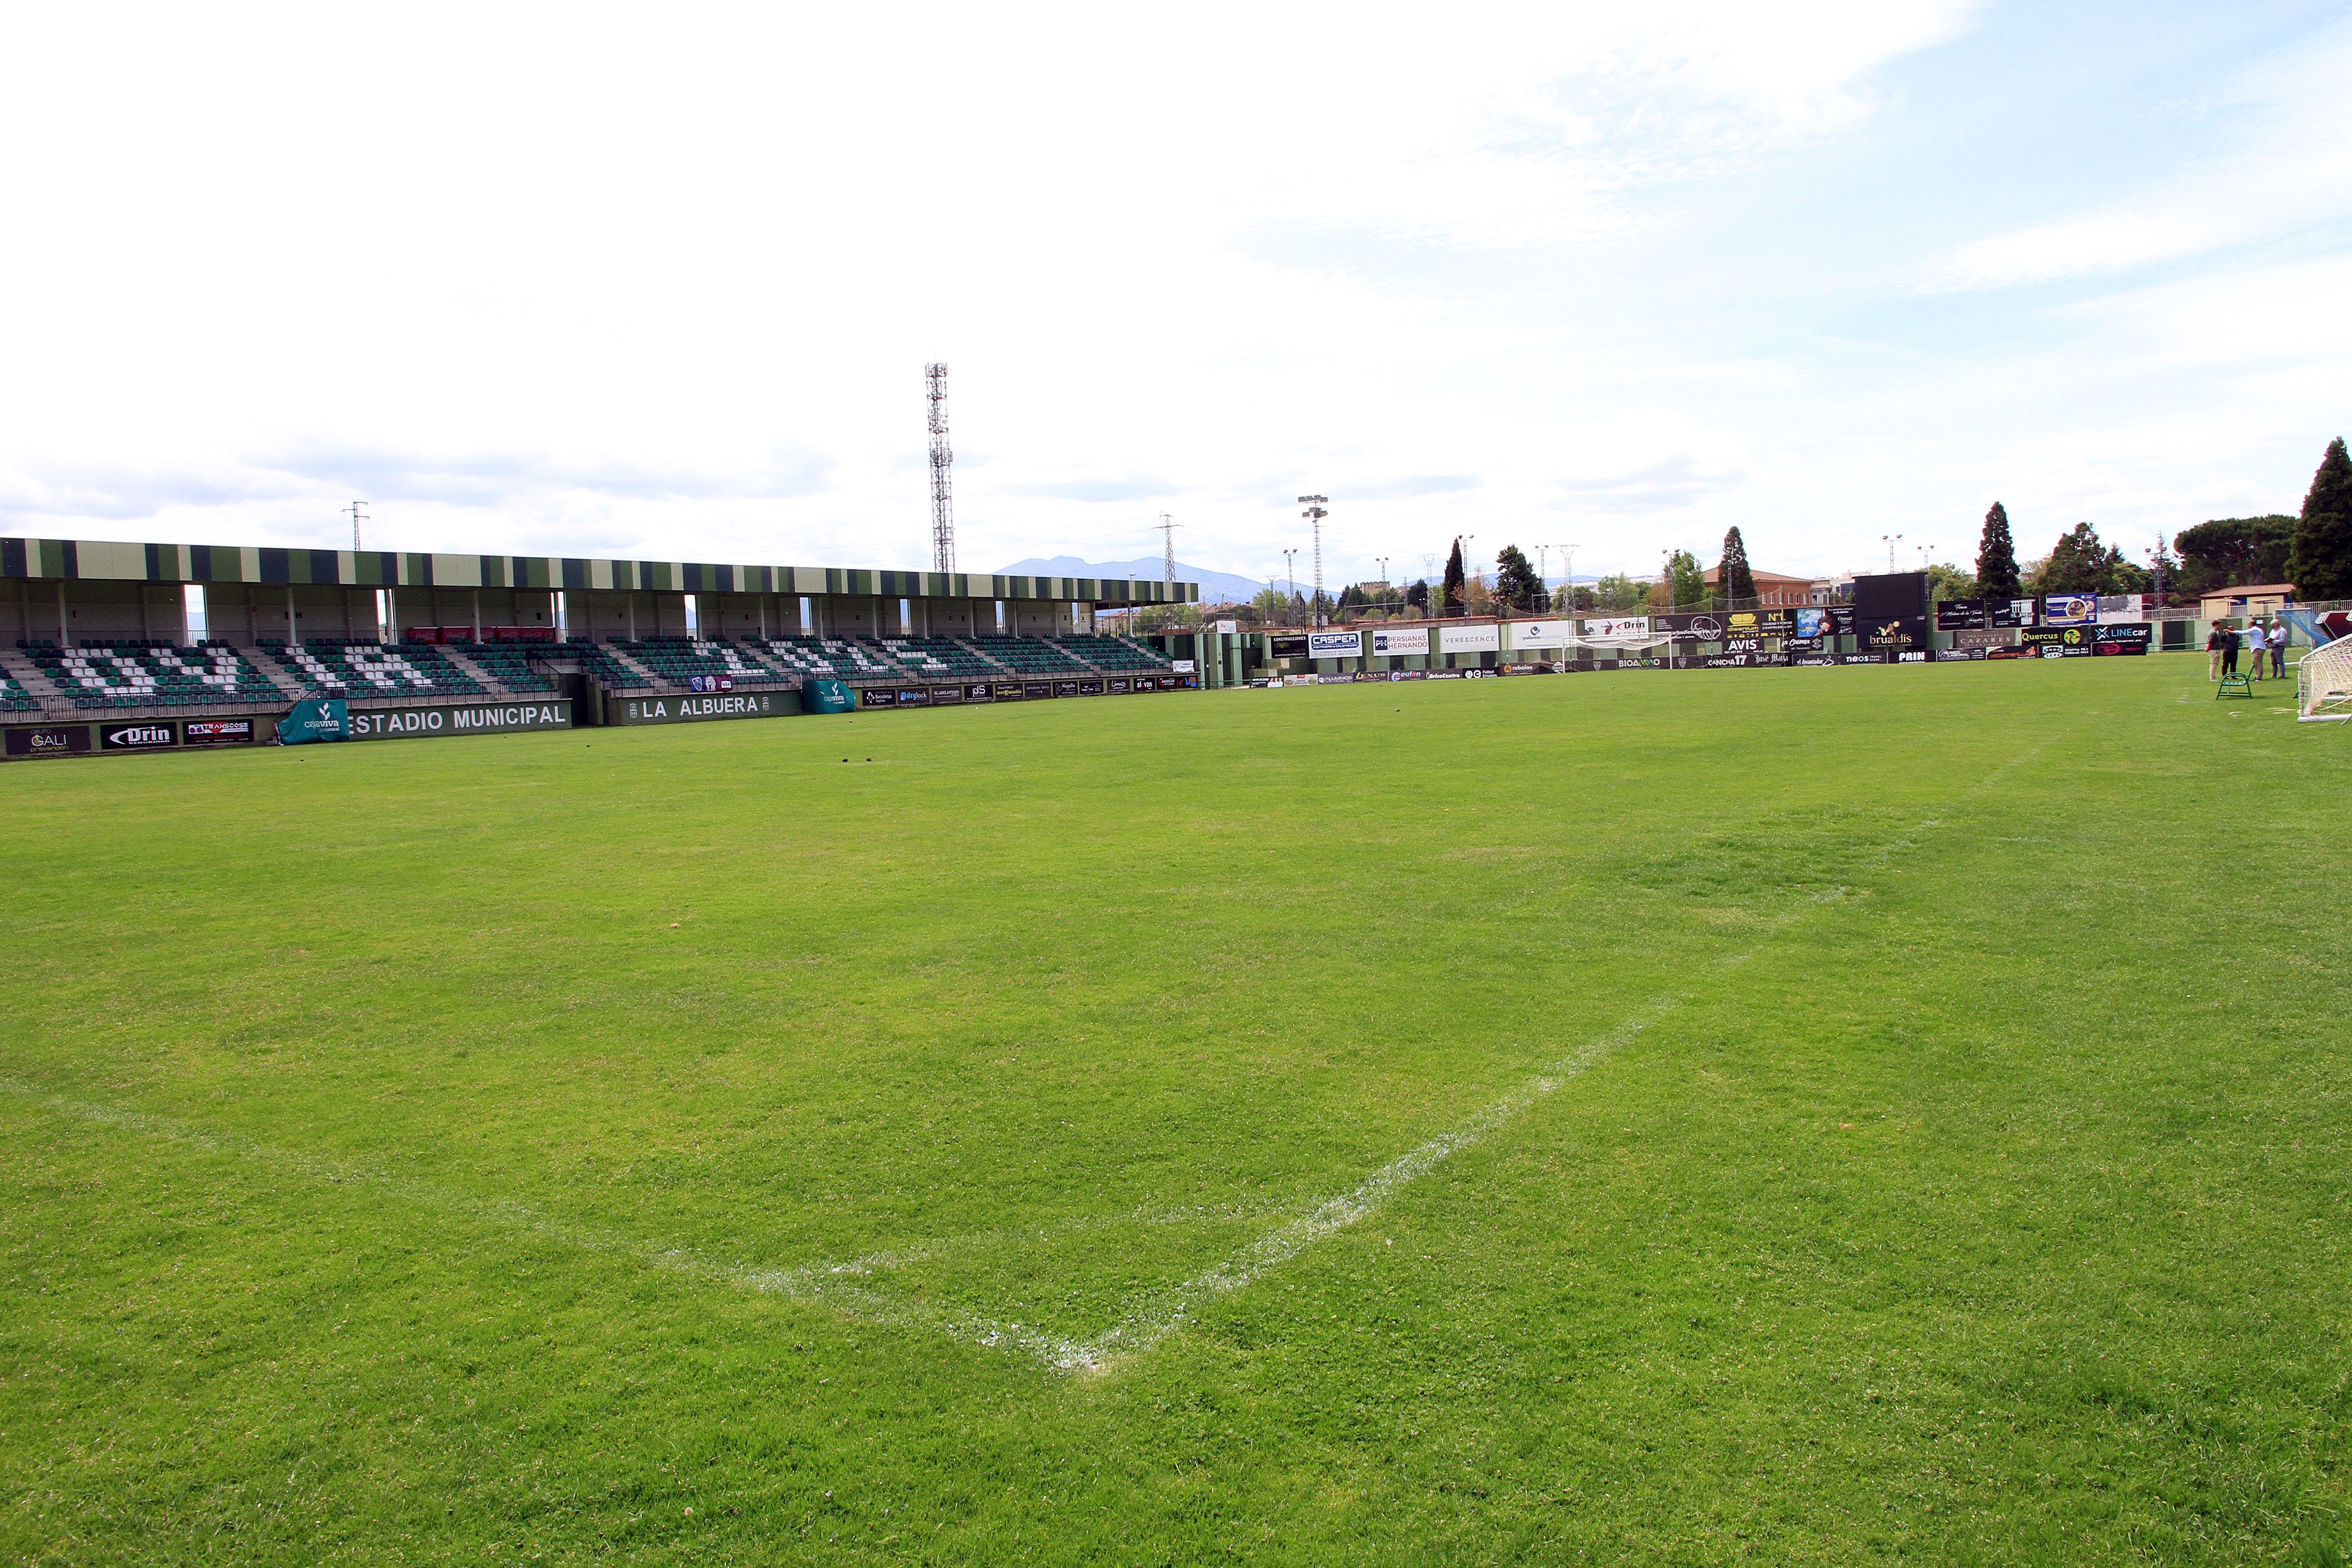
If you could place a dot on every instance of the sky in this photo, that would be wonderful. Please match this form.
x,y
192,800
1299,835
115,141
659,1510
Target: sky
x,y
661,282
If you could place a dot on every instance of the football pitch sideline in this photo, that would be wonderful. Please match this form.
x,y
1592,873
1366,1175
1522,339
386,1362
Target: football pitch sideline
x,y
1796,1115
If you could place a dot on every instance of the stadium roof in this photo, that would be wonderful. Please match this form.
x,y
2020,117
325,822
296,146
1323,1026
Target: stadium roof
x,y
84,559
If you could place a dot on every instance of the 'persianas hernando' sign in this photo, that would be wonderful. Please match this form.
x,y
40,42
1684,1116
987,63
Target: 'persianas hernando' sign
x,y
461,719
694,707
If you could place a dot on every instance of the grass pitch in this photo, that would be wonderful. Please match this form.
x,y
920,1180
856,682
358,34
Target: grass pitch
x,y
1827,1115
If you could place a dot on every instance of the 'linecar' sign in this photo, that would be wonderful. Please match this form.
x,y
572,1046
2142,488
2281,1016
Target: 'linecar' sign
x,y
472,718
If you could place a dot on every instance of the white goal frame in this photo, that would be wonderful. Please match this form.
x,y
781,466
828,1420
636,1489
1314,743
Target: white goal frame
x,y
2323,681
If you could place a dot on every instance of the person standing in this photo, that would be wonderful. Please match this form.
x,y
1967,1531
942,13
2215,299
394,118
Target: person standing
x,y
2278,650
2254,646
2229,650
2213,652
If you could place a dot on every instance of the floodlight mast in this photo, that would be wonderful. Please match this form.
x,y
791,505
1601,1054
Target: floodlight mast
x,y
1315,514
935,376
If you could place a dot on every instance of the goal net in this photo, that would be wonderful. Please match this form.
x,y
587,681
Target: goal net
x,y
2323,682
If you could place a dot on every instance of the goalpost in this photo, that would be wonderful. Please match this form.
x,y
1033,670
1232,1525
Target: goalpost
x,y
2323,682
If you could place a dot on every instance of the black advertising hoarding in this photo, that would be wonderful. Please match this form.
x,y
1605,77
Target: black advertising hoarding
x,y
2127,637
1962,615
2014,650
1988,639
1814,660
1694,626
2014,613
147,735
976,691
1958,654
1759,624
2059,638
1036,689
1288,646
1822,621
1895,632
216,732
1873,658
49,740
1090,689
1890,596
1118,686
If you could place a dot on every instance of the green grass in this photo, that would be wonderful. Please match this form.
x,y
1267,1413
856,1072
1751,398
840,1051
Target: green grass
x,y
449,1151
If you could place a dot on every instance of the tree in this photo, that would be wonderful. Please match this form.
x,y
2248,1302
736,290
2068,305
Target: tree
x,y
1733,575
1617,593
1516,586
2080,563
1948,582
2231,552
1997,558
1417,596
1684,586
1453,580
2320,562
1270,605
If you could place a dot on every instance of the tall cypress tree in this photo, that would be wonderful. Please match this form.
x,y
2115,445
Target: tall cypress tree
x,y
1997,558
1733,575
1453,580
2320,560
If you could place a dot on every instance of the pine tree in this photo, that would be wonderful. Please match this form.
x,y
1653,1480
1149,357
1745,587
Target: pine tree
x,y
2320,562
1516,586
1417,596
1733,575
1453,580
1997,558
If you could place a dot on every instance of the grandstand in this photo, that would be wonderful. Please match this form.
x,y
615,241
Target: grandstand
x,y
110,633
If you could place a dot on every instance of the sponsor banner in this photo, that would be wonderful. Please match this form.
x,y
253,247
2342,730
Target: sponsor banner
x,y
1540,633
1772,660
1403,641
1119,687
1615,627
1985,637
1874,657
1892,631
2064,650
1090,689
1759,624
150,735
1958,654
2070,609
1178,682
1743,645
216,732
1287,645
1911,655
2014,650
1726,661
978,692
1341,679
1066,688
501,718
1182,666
1962,615
2055,637
1469,639
1804,645
1446,674
49,740
1229,627
1699,626
1408,675
2014,612
711,683
1821,621
2123,639
1031,688
1814,660
1335,645
315,718
946,694
2121,609
914,697
1474,673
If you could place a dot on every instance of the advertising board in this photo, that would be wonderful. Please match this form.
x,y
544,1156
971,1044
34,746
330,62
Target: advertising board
x,y
1689,625
689,709
1617,627
1760,623
1896,632
1033,688
1822,621
2133,639
1958,654
1228,627
2070,609
1403,641
1469,639
1090,688
487,718
1286,645
1962,615
1335,645
216,732
1066,688
1872,657
2055,637
2014,612
49,740
1182,666
711,683
2121,609
145,735
1986,639
1540,633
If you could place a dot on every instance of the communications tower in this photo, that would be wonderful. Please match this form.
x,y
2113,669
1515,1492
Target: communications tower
x,y
942,460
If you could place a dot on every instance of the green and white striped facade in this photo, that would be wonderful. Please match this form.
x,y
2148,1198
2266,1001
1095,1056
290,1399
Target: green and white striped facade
x,y
70,589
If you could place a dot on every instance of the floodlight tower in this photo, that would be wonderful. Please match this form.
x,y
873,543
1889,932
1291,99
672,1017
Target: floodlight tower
x,y
1889,539
942,460
1315,514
